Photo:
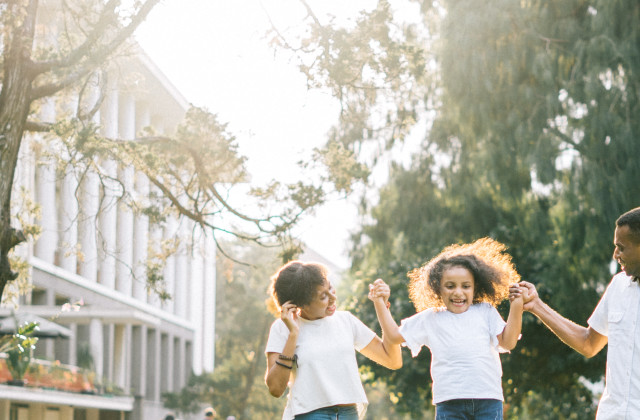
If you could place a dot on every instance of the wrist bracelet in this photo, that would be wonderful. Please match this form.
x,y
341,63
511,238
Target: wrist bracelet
x,y
293,358
283,365
388,304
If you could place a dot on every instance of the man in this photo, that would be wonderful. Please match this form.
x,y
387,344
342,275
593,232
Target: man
x,y
615,321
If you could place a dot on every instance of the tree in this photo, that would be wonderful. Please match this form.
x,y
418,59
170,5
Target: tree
x,y
531,114
53,48
28,75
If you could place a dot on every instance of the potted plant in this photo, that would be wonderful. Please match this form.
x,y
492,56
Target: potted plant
x,y
19,353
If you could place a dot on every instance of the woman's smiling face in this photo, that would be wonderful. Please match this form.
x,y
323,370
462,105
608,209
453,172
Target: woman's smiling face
x,y
456,289
323,303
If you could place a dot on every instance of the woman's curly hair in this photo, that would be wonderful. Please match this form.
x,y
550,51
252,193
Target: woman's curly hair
x,y
490,266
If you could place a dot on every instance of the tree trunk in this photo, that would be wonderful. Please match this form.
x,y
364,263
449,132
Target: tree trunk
x,y
15,102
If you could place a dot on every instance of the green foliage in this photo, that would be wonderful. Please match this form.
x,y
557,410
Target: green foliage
x,y
532,141
187,400
236,386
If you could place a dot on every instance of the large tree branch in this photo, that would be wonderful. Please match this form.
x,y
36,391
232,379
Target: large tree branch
x,y
91,51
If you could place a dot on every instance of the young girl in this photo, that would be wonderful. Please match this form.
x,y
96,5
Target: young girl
x,y
312,347
455,295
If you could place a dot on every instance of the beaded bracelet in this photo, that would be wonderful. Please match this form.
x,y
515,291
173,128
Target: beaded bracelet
x,y
283,365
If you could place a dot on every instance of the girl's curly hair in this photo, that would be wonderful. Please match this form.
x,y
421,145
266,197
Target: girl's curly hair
x,y
490,266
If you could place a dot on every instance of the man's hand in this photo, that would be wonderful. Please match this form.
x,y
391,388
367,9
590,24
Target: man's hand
x,y
528,292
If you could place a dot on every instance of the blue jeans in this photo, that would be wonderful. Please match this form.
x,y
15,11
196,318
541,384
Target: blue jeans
x,y
330,413
469,409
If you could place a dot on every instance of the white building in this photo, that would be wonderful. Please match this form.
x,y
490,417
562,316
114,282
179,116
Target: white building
x,y
92,250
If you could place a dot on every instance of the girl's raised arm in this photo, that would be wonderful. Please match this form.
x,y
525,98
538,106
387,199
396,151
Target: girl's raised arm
x,y
385,351
511,333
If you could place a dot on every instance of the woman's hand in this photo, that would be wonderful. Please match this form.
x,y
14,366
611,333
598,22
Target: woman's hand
x,y
289,315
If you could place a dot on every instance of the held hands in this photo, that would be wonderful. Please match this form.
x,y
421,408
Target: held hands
x,y
516,296
379,290
525,290
289,315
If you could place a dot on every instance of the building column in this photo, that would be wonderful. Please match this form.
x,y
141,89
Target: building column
x,y
36,411
65,413
122,356
69,221
89,199
169,272
141,241
179,375
72,351
108,209
209,305
109,352
45,247
155,246
196,302
96,346
68,205
47,244
88,225
167,382
93,414
182,278
139,350
126,176
5,405
124,265
47,346
153,365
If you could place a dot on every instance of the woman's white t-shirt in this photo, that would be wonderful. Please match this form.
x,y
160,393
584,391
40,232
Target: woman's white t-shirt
x,y
465,360
327,372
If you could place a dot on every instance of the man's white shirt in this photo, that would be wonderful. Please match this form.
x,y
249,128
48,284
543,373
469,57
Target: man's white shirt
x,y
617,317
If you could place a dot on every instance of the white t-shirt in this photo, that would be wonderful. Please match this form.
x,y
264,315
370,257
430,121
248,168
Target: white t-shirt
x,y
327,372
465,360
617,317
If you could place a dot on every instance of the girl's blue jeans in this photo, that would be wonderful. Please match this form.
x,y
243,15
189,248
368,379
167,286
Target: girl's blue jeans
x,y
469,409
331,413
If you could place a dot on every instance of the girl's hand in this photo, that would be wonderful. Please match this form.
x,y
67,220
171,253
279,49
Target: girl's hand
x,y
289,315
516,295
379,290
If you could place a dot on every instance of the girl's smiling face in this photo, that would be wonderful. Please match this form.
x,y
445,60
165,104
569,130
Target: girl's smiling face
x,y
456,289
323,303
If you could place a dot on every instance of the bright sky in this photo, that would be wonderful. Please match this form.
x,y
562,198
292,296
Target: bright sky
x,y
216,54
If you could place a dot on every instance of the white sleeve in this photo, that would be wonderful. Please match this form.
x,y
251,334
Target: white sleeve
x,y
496,326
414,330
599,319
362,335
278,335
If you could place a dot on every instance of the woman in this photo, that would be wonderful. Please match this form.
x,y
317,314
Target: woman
x,y
312,346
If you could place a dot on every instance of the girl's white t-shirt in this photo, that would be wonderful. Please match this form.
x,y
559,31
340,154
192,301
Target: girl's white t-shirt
x,y
327,372
465,360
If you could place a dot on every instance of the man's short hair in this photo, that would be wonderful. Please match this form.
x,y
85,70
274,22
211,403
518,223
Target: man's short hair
x,y
631,219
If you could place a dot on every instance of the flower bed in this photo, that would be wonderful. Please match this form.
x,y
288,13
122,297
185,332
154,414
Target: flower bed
x,y
53,375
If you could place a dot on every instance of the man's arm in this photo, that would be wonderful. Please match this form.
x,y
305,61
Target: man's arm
x,y
584,340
